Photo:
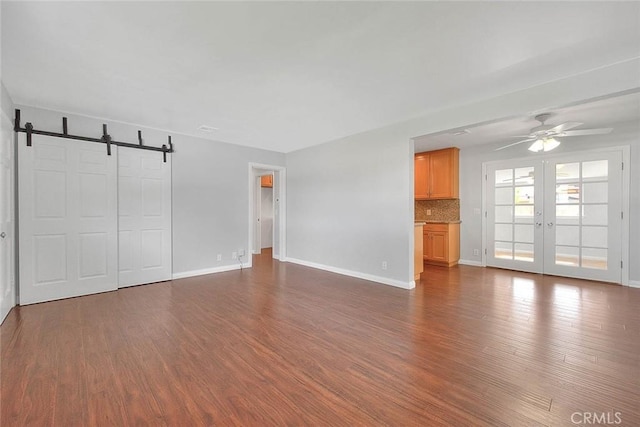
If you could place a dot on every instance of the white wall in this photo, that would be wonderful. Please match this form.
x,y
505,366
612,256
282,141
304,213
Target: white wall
x,y
471,183
350,206
266,217
351,200
211,202
209,188
7,138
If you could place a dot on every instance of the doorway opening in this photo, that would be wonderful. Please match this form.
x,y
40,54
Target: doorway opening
x,y
264,233
267,210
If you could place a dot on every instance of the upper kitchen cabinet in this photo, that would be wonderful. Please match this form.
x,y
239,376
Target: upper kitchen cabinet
x,y
436,174
266,181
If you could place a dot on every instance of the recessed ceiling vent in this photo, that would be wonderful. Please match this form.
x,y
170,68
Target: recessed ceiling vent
x,y
206,128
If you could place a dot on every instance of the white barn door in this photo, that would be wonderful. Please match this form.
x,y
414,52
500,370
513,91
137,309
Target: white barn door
x,y
144,227
68,218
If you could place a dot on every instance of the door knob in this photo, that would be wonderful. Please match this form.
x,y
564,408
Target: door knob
x,y
3,235
550,224
538,224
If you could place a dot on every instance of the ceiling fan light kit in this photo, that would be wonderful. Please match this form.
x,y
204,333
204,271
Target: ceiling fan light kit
x,y
545,144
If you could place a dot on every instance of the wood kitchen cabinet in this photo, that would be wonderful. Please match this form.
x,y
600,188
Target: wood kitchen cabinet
x,y
436,174
441,243
266,181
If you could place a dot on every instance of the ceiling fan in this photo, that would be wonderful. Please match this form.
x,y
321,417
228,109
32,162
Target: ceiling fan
x,y
545,137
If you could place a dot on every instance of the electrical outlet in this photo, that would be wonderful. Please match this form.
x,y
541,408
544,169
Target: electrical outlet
x,y
428,211
234,255
219,257
384,265
476,211
240,252
476,252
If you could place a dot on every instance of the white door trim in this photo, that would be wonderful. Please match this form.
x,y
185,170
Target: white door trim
x,y
626,156
626,177
8,217
257,219
279,203
483,214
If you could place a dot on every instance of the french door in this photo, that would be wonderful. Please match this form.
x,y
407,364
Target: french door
x,y
559,216
515,215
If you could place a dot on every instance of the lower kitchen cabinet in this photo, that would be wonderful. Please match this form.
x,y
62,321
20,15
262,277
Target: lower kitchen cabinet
x,y
441,243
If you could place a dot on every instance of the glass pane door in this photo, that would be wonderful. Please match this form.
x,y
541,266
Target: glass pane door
x,y
514,216
583,204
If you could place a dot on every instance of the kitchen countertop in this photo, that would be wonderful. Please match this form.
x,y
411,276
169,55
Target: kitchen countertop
x,y
436,221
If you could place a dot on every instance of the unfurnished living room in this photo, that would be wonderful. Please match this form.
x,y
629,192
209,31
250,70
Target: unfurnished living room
x,y
320,213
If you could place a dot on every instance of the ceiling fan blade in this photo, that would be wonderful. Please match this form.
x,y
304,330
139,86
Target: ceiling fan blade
x,y
600,131
515,143
565,126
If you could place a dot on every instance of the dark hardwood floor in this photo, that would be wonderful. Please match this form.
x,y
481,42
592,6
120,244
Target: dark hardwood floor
x,y
282,344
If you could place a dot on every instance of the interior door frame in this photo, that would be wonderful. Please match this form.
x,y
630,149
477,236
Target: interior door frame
x,y
9,290
257,219
279,208
624,238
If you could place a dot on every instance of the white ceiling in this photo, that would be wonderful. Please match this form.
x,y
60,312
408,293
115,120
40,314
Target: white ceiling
x,y
287,75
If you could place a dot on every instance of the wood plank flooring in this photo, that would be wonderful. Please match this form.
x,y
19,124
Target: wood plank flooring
x,y
283,344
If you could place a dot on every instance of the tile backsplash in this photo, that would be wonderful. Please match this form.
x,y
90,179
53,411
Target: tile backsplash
x,y
441,210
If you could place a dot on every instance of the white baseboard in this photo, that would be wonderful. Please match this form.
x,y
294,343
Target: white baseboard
x,y
222,268
634,283
6,309
3,314
469,262
357,274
